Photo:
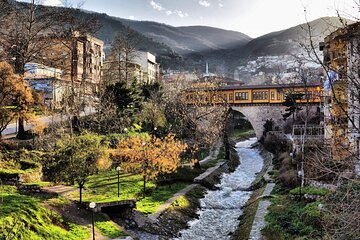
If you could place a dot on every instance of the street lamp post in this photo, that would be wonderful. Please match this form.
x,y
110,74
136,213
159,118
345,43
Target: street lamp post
x,y
321,208
118,172
92,206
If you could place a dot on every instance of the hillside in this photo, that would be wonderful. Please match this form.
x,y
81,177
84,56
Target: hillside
x,y
289,41
110,27
190,47
179,48
187,40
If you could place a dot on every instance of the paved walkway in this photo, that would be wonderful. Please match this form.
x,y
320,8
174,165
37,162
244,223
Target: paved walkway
x,y
259,221
60,189
268,189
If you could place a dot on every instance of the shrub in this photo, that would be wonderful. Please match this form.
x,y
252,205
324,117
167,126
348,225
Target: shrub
x,y
27,164
275,143
113,139
31,175
9,145
289,178
10,174
310,190
289,220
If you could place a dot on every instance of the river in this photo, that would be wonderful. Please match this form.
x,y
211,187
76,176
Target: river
x,y
220,209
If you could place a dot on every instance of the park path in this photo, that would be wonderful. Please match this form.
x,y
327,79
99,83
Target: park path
x,y
60,189
259,221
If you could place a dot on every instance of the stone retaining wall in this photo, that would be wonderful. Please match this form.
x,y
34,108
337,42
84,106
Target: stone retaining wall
x,y
28,189
211,177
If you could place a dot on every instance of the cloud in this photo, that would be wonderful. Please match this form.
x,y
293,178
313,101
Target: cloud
x,y
156,6
221,5
204,3
181,13
132,17
159,7
52,2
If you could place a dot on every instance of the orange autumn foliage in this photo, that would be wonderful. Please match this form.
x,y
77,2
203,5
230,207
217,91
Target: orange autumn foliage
x,y
15,95
150,156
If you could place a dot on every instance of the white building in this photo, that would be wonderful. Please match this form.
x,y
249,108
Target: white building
x,y
141,66
150,68
47,80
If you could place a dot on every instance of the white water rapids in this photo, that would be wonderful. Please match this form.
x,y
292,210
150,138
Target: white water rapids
x,y
220,209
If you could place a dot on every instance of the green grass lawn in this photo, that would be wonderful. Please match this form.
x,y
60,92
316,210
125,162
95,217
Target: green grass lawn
x,y
24,217
108,228
241,133
103,188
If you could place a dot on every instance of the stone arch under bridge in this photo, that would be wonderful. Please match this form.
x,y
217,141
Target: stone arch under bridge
x,y
258,114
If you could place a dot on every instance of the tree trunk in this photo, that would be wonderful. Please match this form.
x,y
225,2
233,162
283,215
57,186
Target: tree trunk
x,y
144,187
227,146
80,191
197,164
21,130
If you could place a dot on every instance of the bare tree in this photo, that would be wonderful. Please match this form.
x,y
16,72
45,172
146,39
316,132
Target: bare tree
x,y
22,31
198,113
336,161
71,53
120,65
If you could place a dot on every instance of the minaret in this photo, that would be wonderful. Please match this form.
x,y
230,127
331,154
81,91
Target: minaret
x,y
207,69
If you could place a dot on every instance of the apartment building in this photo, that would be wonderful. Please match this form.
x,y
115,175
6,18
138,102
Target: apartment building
x,y
80,57
342,85
150,68
139,66
69,62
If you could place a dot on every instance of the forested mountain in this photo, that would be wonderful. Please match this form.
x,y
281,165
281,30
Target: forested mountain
x,y
190,47
290,40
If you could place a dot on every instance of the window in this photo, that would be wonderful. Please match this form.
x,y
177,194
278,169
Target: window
x,y
231,97
241,96
308,95
278,94
272,97
263,95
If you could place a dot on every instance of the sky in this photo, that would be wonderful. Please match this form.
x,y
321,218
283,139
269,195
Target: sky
x,y
252,17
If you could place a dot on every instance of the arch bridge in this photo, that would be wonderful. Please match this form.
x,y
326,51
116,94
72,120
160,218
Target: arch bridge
x,y
257,103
